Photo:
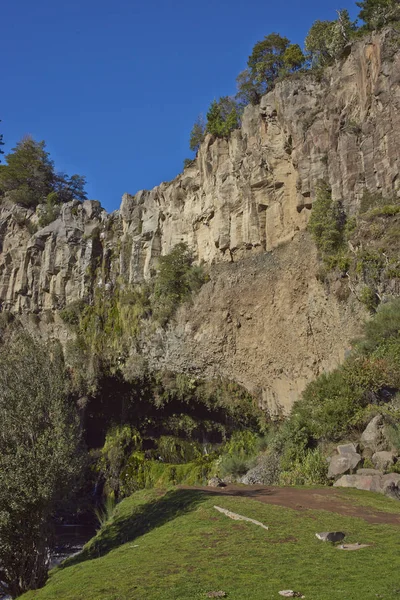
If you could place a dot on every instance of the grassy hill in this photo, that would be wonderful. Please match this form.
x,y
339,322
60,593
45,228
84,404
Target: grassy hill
x,y
174,545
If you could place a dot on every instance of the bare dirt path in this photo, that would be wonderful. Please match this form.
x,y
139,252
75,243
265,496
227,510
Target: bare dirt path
x,y
306,499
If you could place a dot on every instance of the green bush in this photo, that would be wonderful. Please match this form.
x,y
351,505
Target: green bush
x,y
327,221
310,468
235,465
176,279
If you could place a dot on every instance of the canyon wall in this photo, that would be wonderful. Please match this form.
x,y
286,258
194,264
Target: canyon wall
x,y
263,319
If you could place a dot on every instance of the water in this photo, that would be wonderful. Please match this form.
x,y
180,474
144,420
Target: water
x,y
70,539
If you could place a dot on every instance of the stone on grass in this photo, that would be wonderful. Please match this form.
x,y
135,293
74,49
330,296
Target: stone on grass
x,y
291,594
383,460
351,547
219,594
331,536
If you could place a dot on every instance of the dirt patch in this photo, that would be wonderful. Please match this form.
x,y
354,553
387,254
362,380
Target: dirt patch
x,y
305,499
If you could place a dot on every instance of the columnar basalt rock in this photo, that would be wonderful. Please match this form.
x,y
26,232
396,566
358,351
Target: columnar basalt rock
x,y
266,323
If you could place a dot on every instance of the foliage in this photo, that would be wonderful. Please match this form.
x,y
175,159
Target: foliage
x,y
326,39
369,298
120,442
49,211
378,13
172,449
293,58
383,328
335,404
223,117
327,221
270,58
105,512
234,465
39,458
197,134
28,177
177,278
310,468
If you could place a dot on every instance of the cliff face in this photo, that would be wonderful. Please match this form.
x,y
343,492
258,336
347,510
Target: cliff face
x,y
243,206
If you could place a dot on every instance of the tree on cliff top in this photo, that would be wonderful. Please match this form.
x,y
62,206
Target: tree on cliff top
x,y
270,58
326,40
378,13
28,177
40,458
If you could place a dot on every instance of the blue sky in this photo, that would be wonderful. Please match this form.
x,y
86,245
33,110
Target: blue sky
x,y
114,87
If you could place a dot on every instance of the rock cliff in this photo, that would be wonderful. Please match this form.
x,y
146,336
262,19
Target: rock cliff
x,y
242,207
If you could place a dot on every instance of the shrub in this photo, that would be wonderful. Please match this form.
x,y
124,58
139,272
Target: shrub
x,y
176,279
311,468
235,465
327,221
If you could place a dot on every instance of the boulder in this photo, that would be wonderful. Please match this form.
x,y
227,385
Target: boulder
x,y
369,472
345,449
343,463
383,460
374,436
390,485
368,483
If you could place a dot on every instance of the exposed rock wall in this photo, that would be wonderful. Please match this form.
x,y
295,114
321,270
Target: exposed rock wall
x,y
263,319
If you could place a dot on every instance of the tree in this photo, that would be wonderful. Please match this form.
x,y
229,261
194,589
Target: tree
x,y
29,177
29,173
293,58
378,13
197,134
270,58
326,40
223,117
40,458
69,188
249,92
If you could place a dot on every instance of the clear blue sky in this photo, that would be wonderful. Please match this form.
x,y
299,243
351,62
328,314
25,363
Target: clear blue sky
x,y
114,87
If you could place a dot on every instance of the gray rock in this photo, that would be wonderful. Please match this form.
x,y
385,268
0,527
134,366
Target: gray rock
x,y
369,472
392,491
383,460
369,483
374,437
390,485
343,463
345,449
331,536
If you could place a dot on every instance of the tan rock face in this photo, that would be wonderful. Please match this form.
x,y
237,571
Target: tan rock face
x,y
263,320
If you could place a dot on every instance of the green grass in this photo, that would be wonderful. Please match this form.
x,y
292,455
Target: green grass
x,y
176,546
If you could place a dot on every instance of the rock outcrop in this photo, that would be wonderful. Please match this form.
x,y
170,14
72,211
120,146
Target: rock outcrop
x,y
264,319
